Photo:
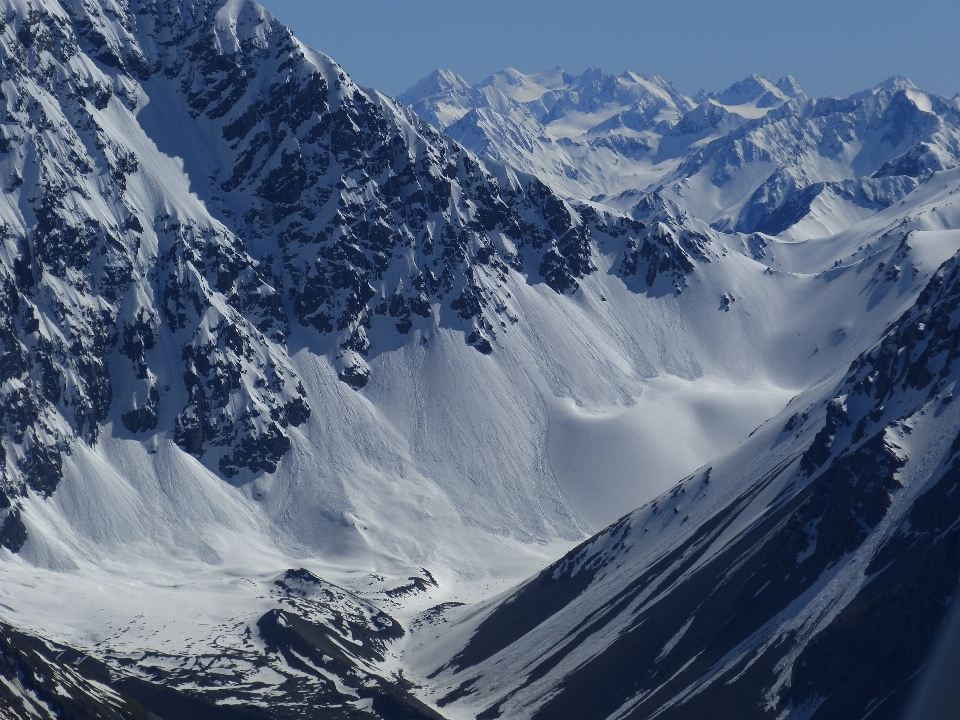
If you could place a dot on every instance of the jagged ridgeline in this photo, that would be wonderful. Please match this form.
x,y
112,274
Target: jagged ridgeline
x,y
185,185
781,161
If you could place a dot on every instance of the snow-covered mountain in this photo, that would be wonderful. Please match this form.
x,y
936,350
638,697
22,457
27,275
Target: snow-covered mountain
x,y
758,156
582,135
294,387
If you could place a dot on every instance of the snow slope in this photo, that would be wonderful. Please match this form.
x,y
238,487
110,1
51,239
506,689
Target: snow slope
x,y
805,574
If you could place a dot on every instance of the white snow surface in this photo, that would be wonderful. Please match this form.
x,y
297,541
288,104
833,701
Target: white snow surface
x,y
609,461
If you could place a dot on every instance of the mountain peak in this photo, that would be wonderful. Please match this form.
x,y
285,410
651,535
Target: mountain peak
x,y
897,83
745,91
436,83
789,87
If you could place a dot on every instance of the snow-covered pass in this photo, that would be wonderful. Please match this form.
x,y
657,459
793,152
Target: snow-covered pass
x,y
312,400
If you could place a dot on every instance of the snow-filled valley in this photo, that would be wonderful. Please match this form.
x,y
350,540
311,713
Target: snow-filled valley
x,y
548,397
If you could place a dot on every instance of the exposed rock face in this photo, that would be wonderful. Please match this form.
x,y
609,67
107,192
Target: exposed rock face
x,y
93,270
669,246
323,641
371,212
41,679
134,292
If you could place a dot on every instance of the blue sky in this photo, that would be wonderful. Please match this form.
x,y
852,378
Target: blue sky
x,y
831,47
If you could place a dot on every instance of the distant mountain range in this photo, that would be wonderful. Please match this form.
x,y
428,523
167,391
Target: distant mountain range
x,y
756,157
547,397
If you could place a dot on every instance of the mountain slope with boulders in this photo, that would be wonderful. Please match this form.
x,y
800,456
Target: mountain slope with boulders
x,y
297,381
